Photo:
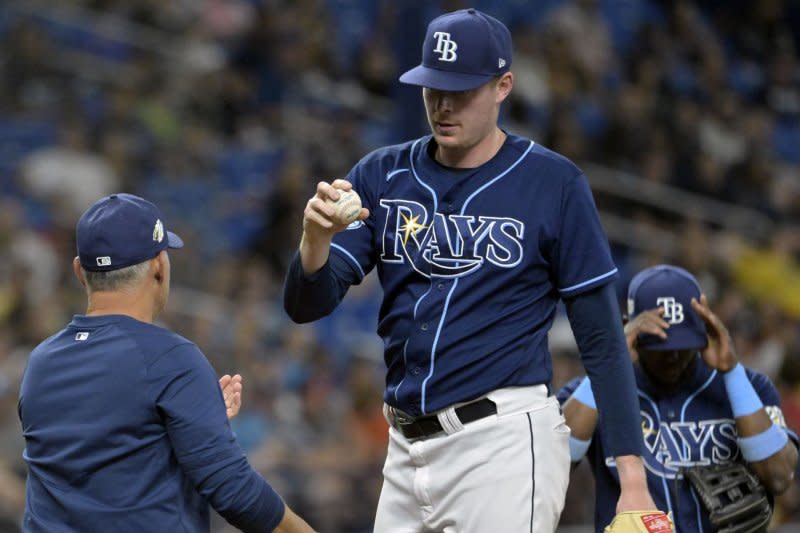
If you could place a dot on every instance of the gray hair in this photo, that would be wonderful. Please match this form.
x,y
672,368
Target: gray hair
x,y
115,280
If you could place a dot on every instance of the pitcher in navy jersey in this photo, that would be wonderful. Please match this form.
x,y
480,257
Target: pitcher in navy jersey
x,y
125,426
698,405
476,235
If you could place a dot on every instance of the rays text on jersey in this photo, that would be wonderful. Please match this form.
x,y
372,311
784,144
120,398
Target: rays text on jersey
x,y
448,245
673,446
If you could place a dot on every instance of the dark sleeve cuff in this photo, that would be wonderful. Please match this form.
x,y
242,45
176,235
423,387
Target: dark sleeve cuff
x,y
268,515
308,297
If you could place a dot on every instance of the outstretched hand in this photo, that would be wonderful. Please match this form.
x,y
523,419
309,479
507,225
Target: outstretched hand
x,y
646,322
720,353
232,393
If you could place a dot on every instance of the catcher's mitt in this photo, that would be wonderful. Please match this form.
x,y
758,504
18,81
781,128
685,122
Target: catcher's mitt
x,y
640,522
734,498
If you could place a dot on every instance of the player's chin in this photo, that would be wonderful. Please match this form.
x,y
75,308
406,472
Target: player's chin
x,y
449,140
669,377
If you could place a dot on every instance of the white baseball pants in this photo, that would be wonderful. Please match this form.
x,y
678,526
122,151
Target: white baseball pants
x,y
505,473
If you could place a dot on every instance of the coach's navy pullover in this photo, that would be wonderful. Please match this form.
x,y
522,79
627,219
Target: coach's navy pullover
x,y
125,430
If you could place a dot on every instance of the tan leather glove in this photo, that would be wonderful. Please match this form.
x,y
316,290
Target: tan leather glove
x,y
640,522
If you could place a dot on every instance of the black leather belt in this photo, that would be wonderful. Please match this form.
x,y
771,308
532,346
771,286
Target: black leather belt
x,y
425,426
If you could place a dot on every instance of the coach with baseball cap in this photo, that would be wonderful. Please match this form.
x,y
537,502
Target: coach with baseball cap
x,y
124,421
121,230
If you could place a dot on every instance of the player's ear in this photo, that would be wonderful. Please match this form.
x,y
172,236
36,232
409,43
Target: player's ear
x,y
504,85
157,268
76,268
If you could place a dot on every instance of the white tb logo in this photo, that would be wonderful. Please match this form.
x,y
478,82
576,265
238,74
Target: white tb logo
x,y
673,311
445,46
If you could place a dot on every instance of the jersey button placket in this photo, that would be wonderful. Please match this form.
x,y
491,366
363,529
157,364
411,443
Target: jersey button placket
x,y
424,326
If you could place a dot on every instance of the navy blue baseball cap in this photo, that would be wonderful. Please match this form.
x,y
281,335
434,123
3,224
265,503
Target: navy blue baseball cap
x,y
671,288
462,50
121,230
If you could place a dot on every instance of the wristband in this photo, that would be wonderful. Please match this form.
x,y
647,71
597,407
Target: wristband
x,y
578,448
584,393
741,394
761,446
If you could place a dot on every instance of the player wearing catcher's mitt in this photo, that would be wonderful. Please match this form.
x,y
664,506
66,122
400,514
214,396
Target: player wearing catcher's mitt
x,y
716,445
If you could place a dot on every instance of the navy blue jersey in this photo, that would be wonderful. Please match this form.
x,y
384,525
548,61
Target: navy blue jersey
x,y
472,264
125,430
692,427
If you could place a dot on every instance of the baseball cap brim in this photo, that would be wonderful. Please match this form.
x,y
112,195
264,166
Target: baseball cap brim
x,y
678,338
443,80
173,241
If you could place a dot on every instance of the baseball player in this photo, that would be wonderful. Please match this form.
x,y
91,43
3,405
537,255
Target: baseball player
x,y
476,234
124,422
701,411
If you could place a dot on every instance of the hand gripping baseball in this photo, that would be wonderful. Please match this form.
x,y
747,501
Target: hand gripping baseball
x,y
334,206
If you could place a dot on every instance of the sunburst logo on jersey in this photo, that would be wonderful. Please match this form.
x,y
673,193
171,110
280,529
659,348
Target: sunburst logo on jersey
x,y
411,227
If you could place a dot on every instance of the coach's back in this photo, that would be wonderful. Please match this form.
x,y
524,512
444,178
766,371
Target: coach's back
x,y
125,425
97,441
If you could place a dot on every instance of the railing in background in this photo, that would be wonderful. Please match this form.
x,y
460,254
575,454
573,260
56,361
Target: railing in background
x,y
690,206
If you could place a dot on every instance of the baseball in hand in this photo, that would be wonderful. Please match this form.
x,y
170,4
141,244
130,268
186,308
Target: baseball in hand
x,y
347,207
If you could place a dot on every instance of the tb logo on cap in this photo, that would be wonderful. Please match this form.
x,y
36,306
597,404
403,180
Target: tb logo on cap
x,y
673,311
445,46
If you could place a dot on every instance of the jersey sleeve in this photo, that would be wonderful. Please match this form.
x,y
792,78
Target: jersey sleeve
x,y
582,255
190,402
355,244
309,297
594,317
771,400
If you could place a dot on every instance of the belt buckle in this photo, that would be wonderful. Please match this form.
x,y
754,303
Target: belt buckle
x,y
400,418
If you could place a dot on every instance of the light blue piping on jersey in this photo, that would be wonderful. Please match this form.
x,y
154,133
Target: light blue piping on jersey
x,y
663,479
700,389
416,177
692,396
455,283
349,255
405,344
696,506
416,305
588,281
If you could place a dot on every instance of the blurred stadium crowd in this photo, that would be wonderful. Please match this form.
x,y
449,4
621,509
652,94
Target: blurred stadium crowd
x,y
685,114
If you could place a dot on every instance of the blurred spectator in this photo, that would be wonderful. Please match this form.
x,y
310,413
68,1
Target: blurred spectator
x,y
68,175
588,36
